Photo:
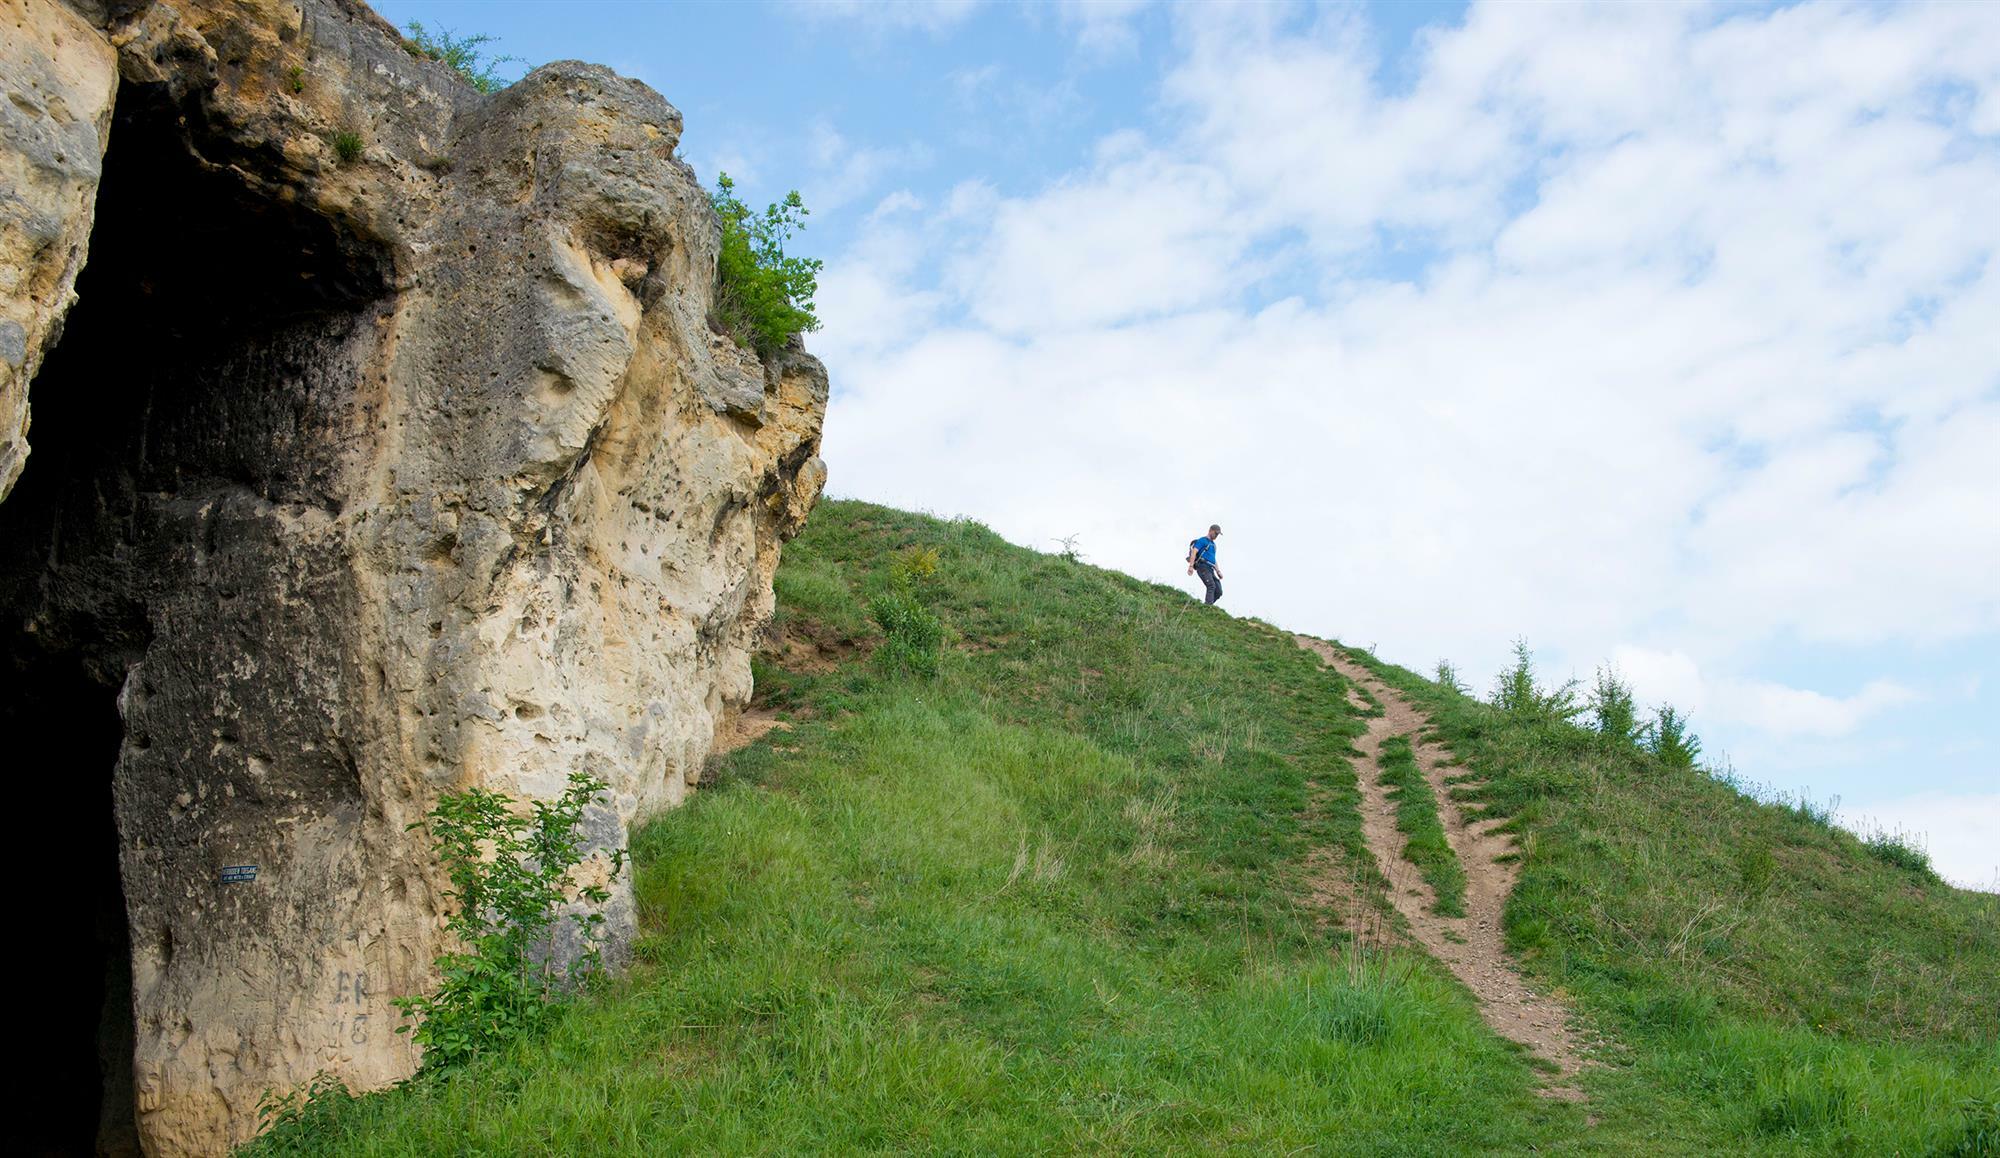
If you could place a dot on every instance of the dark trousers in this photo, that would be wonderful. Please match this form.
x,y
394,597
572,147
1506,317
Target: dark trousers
x,y
1210,580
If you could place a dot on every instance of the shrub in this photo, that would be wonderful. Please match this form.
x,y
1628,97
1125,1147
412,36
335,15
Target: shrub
x,y
1756,867
1448,678
1901,850
348,146
915,634
464,55
915,570
1668,738
510,878
1516,692
300,1113
1613,707
762,296
295,79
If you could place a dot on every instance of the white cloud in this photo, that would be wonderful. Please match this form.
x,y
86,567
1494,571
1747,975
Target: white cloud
x,y
1140,235
1666,328
843,172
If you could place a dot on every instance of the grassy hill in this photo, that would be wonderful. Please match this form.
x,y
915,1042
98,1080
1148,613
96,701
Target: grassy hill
x,y
1060,897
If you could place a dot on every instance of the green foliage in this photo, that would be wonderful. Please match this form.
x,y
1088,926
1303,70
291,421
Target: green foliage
x,y
510,875
1613,707
1756,867
464,55
1447,677
914,634
289,1119
763,297
1417,817
1902,850
1668,738
1516,691
295,78
348,146
915,570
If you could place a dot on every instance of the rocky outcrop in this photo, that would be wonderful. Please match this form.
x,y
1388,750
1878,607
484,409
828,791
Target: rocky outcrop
x,y
387,450
59,75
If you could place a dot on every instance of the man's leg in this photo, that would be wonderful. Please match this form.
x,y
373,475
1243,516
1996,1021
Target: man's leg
x,y
1211,583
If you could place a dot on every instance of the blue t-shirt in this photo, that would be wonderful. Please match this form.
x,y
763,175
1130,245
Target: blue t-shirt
x,y
1205,550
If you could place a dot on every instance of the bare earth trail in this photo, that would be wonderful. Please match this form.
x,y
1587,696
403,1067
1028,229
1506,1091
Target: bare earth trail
x,y
1470,946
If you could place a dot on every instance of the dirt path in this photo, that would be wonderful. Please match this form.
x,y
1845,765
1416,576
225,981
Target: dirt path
x,y
1470,946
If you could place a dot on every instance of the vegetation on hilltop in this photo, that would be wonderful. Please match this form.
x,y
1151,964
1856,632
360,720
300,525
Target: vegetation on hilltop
x,y
763,296
1056,896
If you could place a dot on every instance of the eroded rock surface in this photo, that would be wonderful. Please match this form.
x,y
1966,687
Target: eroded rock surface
x,y
353,482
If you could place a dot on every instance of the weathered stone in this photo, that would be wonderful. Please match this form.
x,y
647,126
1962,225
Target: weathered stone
x,y
58,74
355,483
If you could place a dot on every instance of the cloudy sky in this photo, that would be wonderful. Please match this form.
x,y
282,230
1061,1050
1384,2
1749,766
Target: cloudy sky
x,y
1664,336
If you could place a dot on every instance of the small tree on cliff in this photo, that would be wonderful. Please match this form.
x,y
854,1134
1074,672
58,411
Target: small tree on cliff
x,y
762,296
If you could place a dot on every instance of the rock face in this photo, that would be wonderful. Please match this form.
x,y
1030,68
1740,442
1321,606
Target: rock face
x,y
355,479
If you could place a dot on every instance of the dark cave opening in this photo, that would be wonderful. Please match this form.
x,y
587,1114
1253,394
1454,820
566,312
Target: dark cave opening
x,y
75,991
204,352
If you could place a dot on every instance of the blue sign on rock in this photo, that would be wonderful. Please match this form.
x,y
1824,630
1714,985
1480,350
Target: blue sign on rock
x,y
239,874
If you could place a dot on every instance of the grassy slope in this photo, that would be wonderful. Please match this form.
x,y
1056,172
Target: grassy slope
x,y
1769,982
1052,900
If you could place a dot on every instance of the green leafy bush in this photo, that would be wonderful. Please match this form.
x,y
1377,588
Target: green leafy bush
x,y
1516,692
1449,679
297,1115
464,55
510,877
1756,867
762,296
915,634
1668,738
1613,707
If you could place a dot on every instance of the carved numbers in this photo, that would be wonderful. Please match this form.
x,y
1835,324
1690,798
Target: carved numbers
x,y
351,989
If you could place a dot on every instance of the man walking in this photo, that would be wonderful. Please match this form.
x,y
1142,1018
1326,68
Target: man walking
x,y
1201,561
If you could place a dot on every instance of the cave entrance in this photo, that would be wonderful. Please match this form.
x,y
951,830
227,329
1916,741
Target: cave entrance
x,y
71,971
194,363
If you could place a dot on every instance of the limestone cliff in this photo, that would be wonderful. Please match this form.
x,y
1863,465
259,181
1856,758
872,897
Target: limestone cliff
x,y
350,481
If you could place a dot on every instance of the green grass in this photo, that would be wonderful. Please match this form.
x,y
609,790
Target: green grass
x,y
1425,845
1055,899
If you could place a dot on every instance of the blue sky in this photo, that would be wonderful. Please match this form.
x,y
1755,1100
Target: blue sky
x,y
1661,335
